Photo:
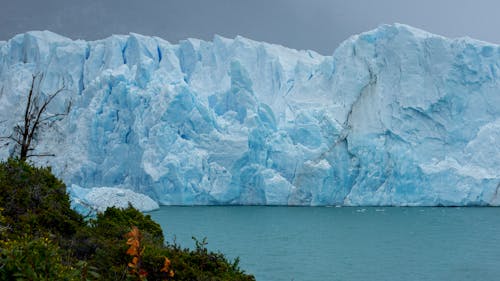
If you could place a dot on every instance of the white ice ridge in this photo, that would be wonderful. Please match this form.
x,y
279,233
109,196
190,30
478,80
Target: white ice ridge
x,y
97,199
396,116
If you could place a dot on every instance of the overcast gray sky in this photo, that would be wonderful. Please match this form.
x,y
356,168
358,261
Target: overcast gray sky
x,y
319,25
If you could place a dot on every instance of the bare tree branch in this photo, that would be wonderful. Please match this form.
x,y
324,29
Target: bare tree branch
x,y
25,134
41,155
52,117
42,109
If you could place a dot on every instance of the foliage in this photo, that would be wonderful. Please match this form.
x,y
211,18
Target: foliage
x,y
202,264
113,251
42,238
114,223
3,226
35,201
106,235
33,259
136,250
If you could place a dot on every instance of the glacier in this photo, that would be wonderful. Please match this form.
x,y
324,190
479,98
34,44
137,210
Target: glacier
x,y
395,116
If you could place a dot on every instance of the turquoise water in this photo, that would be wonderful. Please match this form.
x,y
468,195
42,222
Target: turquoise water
x,y
290,243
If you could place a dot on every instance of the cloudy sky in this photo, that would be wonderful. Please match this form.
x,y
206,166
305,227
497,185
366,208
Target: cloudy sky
x,y
319,25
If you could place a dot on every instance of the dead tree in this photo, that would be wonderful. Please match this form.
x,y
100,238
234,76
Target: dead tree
x,y
36,118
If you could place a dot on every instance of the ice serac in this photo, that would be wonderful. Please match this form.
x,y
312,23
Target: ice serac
x,y
396,116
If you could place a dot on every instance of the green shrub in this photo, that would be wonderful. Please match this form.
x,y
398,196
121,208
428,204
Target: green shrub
x,y
115,222
34,259
42,238
110,257
201,264
35,201
106,236
3,225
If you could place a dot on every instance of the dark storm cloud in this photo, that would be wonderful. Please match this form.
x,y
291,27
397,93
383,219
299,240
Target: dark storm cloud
x,y
303,24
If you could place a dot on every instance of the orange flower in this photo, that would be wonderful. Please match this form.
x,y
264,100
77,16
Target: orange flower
x,y
134,232
132,251
135,250
166,265
133,242
134,262
166,268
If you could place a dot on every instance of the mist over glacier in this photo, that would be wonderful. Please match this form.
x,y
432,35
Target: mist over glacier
x,y
396,116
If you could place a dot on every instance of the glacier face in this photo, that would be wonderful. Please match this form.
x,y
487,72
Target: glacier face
x,y
396,116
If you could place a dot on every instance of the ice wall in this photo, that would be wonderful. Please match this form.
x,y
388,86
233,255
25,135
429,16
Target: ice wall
x,y
396,116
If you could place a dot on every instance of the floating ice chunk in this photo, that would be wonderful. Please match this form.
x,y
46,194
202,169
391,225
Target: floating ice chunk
x,y
100,198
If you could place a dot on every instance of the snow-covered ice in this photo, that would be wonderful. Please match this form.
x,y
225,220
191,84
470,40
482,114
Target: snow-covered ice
x,y
396,116
97,199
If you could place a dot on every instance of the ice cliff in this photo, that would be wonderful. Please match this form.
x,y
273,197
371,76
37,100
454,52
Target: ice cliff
x,y
396,116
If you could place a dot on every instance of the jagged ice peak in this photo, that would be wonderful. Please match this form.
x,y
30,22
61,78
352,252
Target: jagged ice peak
x,y
396,116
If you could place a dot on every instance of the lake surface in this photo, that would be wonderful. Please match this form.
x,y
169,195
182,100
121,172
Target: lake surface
x,y
316,243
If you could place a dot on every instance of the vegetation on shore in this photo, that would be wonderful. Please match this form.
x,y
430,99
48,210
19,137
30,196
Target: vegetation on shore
x,y
42,238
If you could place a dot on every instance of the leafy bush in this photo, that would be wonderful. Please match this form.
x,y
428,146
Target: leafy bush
x,y
106,235
115,222
42,238
202,264
35,201
109,229
34,259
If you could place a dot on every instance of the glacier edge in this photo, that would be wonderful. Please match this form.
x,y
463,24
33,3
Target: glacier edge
x,y
396,116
